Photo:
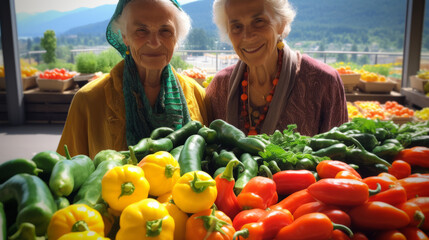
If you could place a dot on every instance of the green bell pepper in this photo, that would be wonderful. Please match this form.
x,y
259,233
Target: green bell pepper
x,y
388,150
68,175
208,134
222,159
247,171
20,165
90,191
160,132
108,155
228,135
179,136
46,161
337,151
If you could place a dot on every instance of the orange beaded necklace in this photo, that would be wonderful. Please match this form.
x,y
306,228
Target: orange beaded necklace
x,y
259,118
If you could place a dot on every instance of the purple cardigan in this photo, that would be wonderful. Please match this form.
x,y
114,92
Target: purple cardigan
x,y
317,102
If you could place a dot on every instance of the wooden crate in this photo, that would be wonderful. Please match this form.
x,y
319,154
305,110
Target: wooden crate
x,y
418,83
376,87
47,106
41,107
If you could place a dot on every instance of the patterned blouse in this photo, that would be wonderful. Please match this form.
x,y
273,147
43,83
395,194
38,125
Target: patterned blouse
x,y
317,102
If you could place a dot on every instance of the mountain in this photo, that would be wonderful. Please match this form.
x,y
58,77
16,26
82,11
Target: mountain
x,y
360,20
197,11
201,14
93,28
35,25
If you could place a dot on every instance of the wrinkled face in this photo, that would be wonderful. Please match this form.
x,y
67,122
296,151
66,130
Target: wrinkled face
x,y
150,33
252,31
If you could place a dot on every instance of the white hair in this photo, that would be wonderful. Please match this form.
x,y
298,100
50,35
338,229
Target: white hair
x,y
282,10
182,21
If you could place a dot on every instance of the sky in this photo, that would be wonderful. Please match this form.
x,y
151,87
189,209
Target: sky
x,y
35,6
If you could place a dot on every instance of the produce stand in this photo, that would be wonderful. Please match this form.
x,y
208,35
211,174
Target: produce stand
x,y
348,172
415,97
358,95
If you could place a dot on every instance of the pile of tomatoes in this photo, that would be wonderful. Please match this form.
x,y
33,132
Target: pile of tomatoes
x,y
57,74
371,109
396,109
375,110
195,73
345,70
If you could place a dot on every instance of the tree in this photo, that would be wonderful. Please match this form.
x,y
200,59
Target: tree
x,y
364,59
29,44
341,57
353,58
49,43
37,56
322,48
199,40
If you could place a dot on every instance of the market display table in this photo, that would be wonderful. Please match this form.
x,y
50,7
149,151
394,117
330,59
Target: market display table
x,y
50,107
415,97
380,97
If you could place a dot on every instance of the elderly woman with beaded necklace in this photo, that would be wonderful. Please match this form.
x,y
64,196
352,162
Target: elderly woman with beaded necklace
x,y
271,86
142,92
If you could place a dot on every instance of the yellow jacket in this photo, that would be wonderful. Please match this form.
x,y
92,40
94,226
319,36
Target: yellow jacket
x,y
96,118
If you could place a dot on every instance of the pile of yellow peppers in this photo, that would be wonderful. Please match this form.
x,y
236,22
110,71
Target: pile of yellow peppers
x,y
422,114
370,76
151,193
353,111
26,70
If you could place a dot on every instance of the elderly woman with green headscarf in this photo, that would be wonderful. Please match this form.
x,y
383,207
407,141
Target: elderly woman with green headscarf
x,y
142,92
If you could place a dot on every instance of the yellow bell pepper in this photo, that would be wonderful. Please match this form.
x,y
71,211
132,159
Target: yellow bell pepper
x,y
165,197
180,219
86,235
194,192
124,185
146,219
75,218
161,169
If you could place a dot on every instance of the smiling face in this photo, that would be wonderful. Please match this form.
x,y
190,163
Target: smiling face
x,y
149,31
252,31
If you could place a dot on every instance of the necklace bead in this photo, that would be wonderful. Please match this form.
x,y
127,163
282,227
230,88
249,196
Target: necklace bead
x,y
247,111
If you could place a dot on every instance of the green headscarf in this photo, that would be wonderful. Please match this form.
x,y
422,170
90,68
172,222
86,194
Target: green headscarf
x,y
170,109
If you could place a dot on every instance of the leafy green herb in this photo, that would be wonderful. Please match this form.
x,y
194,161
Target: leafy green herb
x,y
290,140
365,125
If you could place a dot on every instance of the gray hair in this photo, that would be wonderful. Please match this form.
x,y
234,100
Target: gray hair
x,y
282,10
182,22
